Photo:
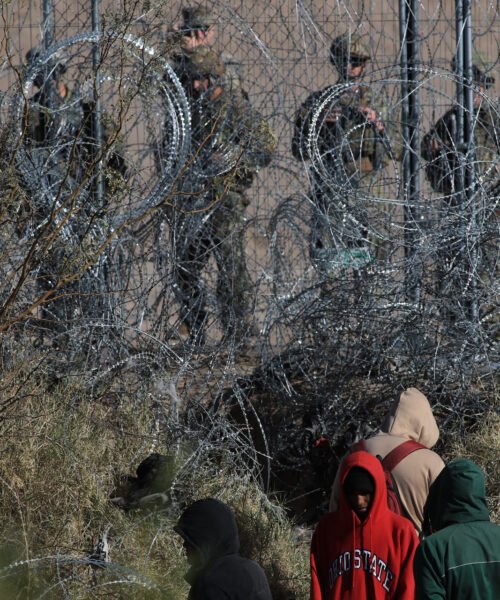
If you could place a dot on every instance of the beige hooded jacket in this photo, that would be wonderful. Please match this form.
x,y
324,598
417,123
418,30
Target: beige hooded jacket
x,y
410,418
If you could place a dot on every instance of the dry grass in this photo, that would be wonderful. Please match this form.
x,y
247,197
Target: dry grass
x,y
61,456
482,445
58,467
266,535
62,453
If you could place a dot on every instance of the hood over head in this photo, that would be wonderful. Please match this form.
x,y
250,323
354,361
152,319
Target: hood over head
x,y
210,527
359,480
373,466
458,495
411,417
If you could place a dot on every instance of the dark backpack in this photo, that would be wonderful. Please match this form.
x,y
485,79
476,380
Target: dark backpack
x,y
389,462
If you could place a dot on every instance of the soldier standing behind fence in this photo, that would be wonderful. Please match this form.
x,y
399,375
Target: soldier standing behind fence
x,y
445,171
199,28
58,169
340,131
230,143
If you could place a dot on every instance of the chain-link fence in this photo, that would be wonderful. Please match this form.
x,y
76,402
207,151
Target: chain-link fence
x,y
260,220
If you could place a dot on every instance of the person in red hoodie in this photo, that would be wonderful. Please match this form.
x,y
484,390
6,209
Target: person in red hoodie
x,y
363,551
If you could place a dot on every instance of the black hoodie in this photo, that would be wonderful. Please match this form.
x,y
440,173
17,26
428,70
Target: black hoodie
x,y
219,572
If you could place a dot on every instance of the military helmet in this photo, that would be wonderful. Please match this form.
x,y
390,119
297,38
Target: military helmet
x,y
348,47
481,65
196,17
203,62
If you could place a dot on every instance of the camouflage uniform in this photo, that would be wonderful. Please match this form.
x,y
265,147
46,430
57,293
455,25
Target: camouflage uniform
x,y
48,129
439,145
346,153
55,121
59,143
445,172
230,142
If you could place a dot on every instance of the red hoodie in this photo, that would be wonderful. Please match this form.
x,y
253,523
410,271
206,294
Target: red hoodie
x,y
363,560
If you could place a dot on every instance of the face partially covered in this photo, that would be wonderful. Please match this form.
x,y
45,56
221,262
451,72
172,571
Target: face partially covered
x,y
191,553
356,66
359,488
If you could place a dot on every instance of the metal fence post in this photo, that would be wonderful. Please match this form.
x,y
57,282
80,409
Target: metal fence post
x,y
466,179
410,118
470,152
47,90
48,23
97,142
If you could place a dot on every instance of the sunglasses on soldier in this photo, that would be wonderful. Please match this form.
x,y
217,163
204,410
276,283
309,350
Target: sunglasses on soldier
x,y
187,31
357,61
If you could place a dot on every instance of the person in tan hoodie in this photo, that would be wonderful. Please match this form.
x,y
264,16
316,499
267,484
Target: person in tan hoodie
x,y
410,418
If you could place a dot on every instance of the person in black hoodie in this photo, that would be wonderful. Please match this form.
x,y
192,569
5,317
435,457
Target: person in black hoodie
x,y
212,543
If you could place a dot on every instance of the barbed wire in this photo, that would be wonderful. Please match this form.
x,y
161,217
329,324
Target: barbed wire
x,y
145,279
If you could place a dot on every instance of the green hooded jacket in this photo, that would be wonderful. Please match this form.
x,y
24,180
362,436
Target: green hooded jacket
x,y
460,560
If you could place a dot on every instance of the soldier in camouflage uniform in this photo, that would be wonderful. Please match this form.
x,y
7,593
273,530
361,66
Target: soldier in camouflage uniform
x,y
230,143
59,151
55,120
199,28
446,174
341,133
440,145
44,110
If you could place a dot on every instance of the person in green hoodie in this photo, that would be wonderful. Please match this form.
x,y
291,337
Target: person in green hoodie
x,y
460,558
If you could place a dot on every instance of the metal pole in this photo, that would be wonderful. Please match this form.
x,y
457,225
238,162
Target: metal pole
x,y
464,144
459,69
47,90
96,128
48,23
469,146
413,64
467,72
404,93
410,117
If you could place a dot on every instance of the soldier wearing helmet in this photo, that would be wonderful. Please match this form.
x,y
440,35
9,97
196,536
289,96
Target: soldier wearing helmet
x,y
448,163
199,29
230,143
349,54
340,132
439,145
45,105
